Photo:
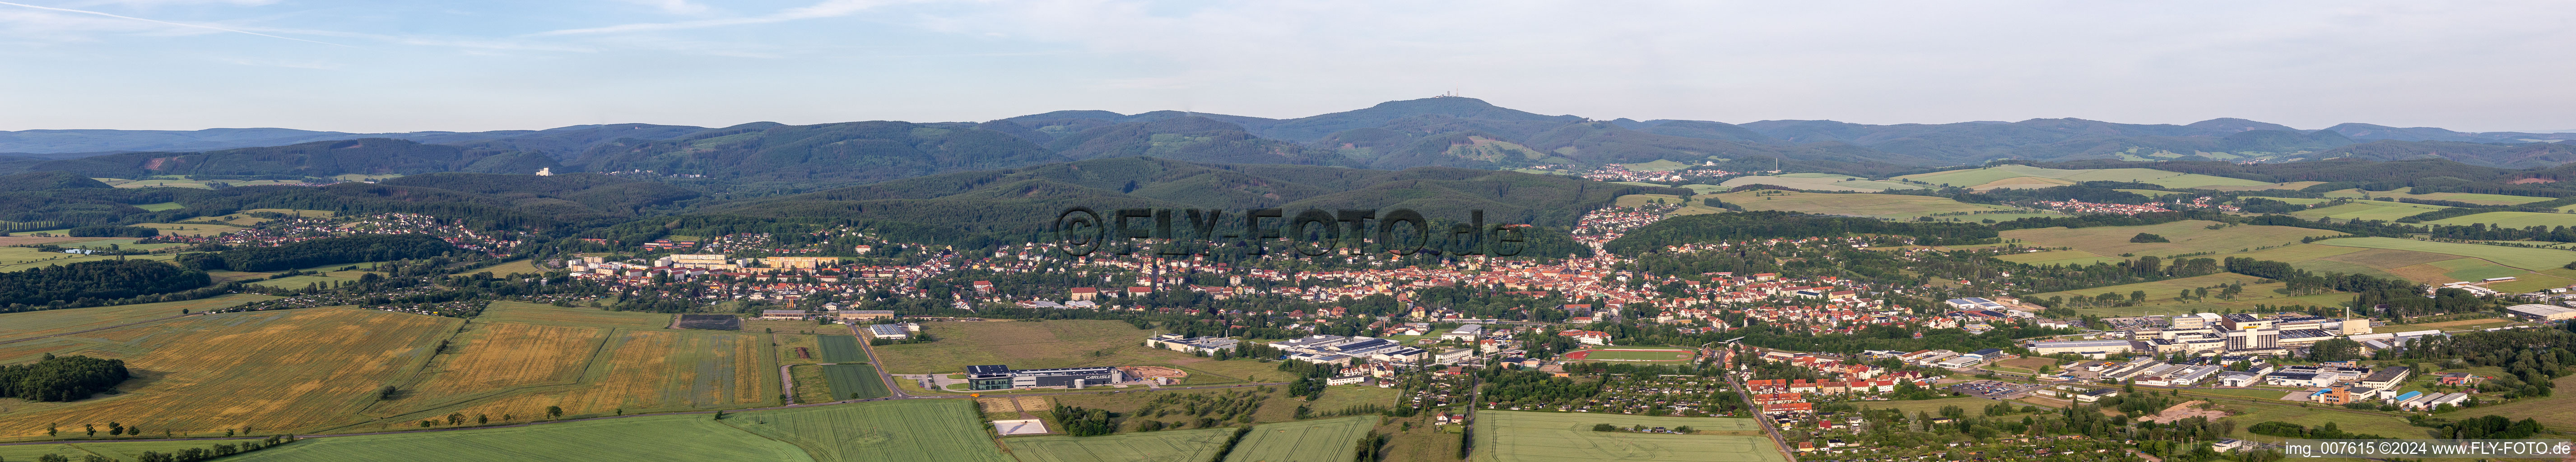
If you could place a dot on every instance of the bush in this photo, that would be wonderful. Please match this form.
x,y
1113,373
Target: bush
x,y
1604,428
2144,238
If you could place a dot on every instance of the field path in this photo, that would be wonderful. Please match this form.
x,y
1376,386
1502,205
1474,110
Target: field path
x,y
146,321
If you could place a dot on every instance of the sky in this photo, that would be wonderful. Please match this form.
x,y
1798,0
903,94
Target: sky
x,y
471,65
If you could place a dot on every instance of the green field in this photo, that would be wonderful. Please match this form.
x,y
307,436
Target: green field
x,y
1160,446
299,282
854,381
1504,436
936,430
2188,236
840,349
2360,210
1867,205
689,437
1815,182
23,258
116,450
1311,440
2288,411
2161,296
2028,176
2058,257
2473,198
2525,258
48,322
2512,219
2551,411
1659,165
1051,344
161,206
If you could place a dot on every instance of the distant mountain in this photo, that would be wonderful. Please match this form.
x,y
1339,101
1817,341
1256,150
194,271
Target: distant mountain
x,y
315,159
40,181
1188,138
825,154
1003,202
2369,132
562,141
1312,128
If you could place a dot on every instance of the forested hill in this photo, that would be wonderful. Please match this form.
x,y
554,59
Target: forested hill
x,y
1013,203
316,159
843,153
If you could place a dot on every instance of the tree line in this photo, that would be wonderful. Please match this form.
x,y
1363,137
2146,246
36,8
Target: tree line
x,y
61,378
319,252
92,281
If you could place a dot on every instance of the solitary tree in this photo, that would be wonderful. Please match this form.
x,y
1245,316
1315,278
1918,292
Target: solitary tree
x,y
554,411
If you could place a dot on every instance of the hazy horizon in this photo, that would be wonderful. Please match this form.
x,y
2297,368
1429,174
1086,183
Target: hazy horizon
x,y
370,67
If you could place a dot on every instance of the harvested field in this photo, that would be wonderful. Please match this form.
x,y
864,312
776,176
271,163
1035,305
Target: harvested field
x,y
2058,257
2186,410
1161,446
548,314
2525,258
634,371
1816,182
493,358
2473,198
287,370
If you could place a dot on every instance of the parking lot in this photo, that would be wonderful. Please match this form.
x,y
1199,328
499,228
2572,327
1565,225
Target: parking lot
x,y
1995,390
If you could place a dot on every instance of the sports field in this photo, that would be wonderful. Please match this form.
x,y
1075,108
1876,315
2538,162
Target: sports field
x,y
1159,446
2188,236
300,369
1310,440
2028,176
2512,219
1051,344
1867,205
2473,198
1505,436
934,430
27,324
1632,354
1817,182
677,437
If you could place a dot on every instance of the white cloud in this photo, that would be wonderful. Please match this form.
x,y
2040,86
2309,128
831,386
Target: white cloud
x,y
683,7
59,20
826,9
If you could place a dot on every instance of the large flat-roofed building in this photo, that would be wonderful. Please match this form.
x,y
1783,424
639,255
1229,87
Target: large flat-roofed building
x,y
1335,349
889,331
1470,332
1973,304
997,377
2253,339
2081,346
2537,312
863,315
800,262
2302,337
1208,345
707,261
784,314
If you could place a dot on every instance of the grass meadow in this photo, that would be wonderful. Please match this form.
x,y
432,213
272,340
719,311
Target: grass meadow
x,y
1817,182
2058,257
1159,446
1867,205
2512,219
27,324
675,437
2188,236
1504,436
2551,411
2473,198
933,430
2161,296
2362,210
1310,440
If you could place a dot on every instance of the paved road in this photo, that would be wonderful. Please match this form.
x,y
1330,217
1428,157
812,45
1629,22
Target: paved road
x,y
1765,421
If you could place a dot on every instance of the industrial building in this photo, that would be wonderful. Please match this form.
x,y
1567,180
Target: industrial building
x,y
998,377
2081,347
1335,349
1206,345
2537,312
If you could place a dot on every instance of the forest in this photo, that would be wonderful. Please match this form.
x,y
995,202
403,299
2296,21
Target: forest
x,y
61,378
93,280
331,251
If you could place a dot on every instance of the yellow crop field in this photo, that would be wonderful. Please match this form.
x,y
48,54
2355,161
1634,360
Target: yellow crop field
x,y
288,370
633,371
494,357
549,314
